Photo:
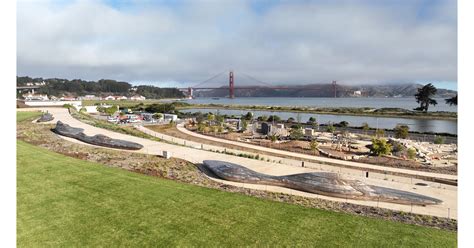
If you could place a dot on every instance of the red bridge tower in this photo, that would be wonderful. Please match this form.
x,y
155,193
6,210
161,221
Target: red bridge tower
x,y
231,84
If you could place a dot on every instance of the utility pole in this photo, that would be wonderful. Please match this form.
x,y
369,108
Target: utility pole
x,y
334,85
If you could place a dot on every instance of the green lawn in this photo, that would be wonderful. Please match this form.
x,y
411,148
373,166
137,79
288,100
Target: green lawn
x,y
69,202
21,116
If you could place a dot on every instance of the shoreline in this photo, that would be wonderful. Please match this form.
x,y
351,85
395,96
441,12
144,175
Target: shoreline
x,y
332,111
344,111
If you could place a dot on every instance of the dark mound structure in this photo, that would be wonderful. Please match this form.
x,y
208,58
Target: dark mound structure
x,y
45,118
99,139
324,183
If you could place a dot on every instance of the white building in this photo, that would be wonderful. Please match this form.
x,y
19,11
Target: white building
x,y
137,98
90,109
89,97
282,132
170,117
116,98
67,98
33,97
357,93
308,132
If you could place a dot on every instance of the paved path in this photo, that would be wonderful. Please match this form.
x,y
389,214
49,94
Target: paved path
x,y
196,155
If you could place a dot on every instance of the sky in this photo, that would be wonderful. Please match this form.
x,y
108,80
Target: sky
x,y
182,43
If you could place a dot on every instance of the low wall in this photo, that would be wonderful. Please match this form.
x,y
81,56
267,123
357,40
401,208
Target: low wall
x,y
76,104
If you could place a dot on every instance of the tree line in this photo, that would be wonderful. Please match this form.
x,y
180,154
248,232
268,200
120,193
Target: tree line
x,y
78,87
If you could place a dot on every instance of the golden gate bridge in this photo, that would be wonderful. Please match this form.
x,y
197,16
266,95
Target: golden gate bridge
x,y
231,87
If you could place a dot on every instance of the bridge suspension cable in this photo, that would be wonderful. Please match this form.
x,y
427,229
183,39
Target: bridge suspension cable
x,y
207,80
259,81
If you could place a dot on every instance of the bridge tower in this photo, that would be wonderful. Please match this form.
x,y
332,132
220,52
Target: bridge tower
x,y
334,85
231,84
190,92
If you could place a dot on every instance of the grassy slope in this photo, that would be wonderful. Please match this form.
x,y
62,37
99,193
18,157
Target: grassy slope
x,y
69,202
21,116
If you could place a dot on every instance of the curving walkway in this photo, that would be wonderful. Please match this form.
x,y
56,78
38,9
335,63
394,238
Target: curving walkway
x,y
192,152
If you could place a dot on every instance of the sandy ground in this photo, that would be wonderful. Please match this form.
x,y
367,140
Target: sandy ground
x,y
193,153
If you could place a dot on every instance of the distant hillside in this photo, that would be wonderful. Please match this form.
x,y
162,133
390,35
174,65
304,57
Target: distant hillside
x,y
104,87
326,90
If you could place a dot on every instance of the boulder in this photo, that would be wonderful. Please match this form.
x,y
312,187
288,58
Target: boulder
x,y
324,183
45,118
98,139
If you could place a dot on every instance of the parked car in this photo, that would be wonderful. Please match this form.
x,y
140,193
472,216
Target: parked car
x,y
134,121
112,119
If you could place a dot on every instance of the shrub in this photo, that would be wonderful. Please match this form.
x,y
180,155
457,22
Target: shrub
x,y
262,118
296,133
273,137
365,127
439,140
411,153
111,110
248,116
330,128
274,118
245,124
401,131
343,124
397,147
313,145
380,147
200,127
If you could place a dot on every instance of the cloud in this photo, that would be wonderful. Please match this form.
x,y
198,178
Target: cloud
x,y
284,42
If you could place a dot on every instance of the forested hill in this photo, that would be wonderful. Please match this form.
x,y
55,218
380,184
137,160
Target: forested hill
x,y
77,87
327,90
